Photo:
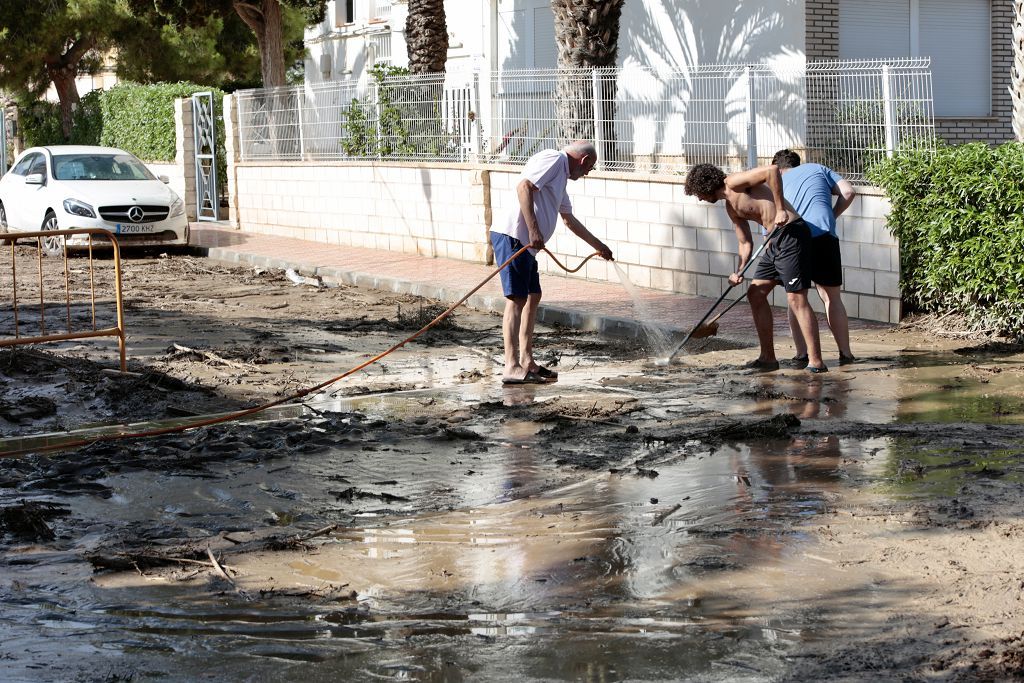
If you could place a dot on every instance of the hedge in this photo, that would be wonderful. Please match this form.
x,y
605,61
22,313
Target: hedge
x,y
958,213
132,117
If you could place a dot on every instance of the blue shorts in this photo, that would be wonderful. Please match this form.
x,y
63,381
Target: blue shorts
x,y
521,278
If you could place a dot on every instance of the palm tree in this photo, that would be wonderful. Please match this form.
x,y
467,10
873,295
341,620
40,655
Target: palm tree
x,y
426,35
1017,75
587,34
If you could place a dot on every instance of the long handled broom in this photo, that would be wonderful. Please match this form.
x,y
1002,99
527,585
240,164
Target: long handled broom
x,y
707,329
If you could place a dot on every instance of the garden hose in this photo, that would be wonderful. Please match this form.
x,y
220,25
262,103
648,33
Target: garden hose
x,y
229,417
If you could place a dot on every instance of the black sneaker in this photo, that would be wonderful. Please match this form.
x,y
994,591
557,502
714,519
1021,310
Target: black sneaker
x,y
798,362
847,360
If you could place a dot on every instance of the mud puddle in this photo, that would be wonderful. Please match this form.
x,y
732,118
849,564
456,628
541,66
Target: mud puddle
x,y
421,522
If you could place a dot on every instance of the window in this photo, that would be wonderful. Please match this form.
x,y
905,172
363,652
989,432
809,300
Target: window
x,y
956,34
38,165
21,168
526,35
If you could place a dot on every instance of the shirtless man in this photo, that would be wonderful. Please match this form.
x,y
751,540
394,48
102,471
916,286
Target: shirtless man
x,y
756,195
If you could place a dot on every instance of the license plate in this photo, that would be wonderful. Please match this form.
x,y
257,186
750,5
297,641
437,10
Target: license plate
x,y
130,228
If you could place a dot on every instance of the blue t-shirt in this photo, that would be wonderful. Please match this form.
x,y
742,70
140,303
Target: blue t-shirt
x,y
808,187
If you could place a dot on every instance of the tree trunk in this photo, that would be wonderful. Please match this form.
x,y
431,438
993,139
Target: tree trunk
x,y
263,17
426,35
587,36
1017,72
63,77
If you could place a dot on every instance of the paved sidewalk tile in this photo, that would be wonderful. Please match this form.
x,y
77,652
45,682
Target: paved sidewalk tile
x,y
571,301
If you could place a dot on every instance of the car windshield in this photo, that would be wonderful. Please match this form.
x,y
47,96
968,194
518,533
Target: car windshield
x,y
99,167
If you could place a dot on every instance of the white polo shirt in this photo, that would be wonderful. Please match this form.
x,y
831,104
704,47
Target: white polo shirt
x,y
549,172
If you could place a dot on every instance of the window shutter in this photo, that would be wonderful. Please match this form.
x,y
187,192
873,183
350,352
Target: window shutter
x,y
545,51
956,34
874,29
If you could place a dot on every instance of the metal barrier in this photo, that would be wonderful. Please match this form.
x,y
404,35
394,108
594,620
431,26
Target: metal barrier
x,y
50,236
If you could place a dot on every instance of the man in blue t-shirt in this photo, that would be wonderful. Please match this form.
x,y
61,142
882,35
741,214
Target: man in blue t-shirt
x,y
810,188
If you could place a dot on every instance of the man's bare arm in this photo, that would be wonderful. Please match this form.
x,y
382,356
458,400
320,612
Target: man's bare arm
x,y
524,191
762,175
746,243
845,191
584,234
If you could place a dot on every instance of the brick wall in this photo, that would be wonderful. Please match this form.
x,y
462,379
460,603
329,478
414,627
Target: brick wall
x,y
821,29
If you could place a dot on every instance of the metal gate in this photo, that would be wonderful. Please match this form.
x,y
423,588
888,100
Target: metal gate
x,y
205,134
3,141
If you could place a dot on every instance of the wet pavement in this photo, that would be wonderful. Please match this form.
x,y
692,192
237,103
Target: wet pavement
x,y
423,522
606,307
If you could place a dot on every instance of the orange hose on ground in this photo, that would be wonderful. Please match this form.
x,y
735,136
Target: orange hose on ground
x,y
299,394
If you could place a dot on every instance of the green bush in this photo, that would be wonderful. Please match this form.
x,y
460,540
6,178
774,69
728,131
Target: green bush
x,y
41,124
958,213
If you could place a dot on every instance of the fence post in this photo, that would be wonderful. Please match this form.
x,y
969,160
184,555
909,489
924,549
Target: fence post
x,y
300,95
751,121
598,118
887,113
474,118
376,124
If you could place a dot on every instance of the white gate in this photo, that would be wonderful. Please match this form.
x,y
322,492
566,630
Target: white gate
x,y
204,130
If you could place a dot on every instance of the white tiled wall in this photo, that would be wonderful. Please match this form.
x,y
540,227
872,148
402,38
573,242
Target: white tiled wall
x,y
661,237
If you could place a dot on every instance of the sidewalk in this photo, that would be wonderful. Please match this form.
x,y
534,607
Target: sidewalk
x,y
604,307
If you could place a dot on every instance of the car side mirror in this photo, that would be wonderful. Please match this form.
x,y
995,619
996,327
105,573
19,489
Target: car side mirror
x,y
164,179
35,179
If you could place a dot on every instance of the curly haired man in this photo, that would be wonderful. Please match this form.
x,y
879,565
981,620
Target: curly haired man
x,y
756,195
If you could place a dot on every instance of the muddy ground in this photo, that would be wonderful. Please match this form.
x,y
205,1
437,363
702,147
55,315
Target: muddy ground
x,y
419,521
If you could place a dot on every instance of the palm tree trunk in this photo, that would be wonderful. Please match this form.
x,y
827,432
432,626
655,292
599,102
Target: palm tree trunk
x,y
1017,74
426,35
587,34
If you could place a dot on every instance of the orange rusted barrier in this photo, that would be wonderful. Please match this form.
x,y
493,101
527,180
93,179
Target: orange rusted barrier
x,y
53,243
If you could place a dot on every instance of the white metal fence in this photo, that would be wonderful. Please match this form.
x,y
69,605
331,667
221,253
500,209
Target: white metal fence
x,y
843,114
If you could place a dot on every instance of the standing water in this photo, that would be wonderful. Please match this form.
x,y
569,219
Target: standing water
x,y
658,339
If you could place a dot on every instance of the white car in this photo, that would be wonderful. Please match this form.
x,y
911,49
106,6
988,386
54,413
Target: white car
x,y
60,187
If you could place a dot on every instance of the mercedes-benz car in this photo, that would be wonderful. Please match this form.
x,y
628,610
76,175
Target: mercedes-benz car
x,y
61,187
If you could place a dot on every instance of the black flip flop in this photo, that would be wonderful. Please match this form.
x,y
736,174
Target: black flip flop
x,y
531,378
544,373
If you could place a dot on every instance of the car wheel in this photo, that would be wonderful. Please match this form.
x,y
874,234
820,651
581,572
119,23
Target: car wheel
x,y
52,246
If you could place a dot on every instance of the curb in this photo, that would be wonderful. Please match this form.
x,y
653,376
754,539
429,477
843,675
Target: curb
x,y
548,314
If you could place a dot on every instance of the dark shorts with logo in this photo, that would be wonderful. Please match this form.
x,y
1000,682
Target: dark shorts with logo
x,y
522,277
826,261
787,258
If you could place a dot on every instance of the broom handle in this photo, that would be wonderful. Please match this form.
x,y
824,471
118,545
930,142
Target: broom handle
x,y
727,290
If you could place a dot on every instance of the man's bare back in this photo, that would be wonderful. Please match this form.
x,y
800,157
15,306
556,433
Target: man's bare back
x,y
755,204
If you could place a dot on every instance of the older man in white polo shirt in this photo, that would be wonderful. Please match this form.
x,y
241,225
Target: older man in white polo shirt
x,y
542,198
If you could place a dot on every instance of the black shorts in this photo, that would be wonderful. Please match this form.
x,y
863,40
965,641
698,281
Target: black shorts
x,y
826,261
787,258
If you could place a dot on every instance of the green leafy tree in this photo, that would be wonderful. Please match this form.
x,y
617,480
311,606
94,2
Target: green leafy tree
x,y
221,53
43,43
265,18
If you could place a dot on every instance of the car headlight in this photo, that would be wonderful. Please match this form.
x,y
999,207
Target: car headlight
x,y
177,207
79,208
